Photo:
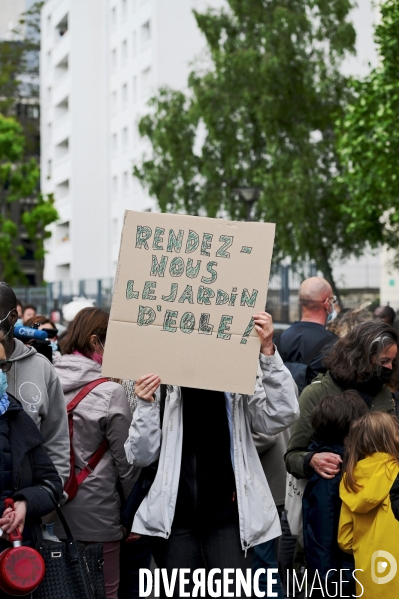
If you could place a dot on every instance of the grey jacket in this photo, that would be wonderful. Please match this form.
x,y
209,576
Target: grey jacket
x,y
271,450
270,410
93,515
33,381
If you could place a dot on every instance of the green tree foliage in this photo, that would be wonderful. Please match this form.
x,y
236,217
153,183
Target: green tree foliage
x,y
20,203
369,144
261,114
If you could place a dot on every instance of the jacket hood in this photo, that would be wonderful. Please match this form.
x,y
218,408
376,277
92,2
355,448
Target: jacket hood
x,y
375,476
76,371
21,351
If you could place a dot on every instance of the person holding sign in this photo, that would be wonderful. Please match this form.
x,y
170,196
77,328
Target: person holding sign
x,y
210,503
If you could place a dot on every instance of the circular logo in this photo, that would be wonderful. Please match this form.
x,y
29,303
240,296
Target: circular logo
x,y
31,395
380,566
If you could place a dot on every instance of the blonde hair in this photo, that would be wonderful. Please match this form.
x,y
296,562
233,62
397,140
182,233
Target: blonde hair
x,y
372,433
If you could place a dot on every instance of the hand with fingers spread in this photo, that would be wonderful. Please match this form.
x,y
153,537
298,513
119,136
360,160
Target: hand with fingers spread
x,y
326,464
146,386
265,329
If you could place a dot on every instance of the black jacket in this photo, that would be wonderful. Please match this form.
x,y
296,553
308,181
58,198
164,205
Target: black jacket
x,y
31,466
297,343
394,495
321,507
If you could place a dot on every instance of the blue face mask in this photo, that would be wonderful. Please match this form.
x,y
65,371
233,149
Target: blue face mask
x,y
3,383
332,316
54,346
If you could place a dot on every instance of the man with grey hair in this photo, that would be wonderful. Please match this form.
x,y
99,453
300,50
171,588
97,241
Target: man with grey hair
x,y
304,343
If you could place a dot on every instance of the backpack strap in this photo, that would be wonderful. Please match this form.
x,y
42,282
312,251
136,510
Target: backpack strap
x,y
74,481
83,392
93,462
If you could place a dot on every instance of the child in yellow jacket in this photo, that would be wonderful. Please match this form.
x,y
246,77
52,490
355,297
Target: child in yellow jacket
x,y
367,526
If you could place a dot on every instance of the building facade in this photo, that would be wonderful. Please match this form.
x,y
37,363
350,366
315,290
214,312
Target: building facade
x,y
100,62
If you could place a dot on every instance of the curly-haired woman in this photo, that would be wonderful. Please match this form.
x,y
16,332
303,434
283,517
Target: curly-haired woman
x,y
364,360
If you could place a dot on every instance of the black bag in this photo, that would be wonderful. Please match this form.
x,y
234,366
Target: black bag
x,y
144,481
73,571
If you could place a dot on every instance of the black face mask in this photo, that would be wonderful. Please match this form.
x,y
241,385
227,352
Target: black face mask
x,y
374,384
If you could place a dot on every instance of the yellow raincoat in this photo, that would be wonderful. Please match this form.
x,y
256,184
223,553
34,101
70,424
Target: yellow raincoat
x,y
369,530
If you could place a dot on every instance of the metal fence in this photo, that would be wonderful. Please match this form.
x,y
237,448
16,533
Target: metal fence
x,y
282,300
54,296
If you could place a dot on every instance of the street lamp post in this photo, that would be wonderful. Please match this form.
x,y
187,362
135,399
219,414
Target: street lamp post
x,y
249,195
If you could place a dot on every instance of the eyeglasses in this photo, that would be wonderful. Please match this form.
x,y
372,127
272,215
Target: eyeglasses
x,y
332,299
5,365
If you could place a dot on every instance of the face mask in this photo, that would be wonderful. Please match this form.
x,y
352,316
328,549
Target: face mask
x,y
19,322
332,316
374,384
384,374
54,346
3,383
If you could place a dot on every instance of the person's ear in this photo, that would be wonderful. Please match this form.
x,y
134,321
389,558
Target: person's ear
x,y
93,342
13,316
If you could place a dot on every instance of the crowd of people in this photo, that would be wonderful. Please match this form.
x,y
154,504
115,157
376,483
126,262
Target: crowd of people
x,y
188,478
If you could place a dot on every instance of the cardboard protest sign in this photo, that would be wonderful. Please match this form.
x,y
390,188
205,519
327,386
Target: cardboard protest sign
x,y
185,292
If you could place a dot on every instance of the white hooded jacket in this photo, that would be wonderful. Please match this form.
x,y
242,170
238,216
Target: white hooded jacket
x,y
272,408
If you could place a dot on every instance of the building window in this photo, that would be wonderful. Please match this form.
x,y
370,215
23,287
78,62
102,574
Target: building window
x,y
114,102
113,17
49,59
134,44
115,230
62,67
49,132
134,90
62,149
124,52
62,27
124,8
135,134
114,61
125,181
62,232
49,169
62,190
48,24
125,139
114,186
146,33
145,81
125,96
62,108
114,143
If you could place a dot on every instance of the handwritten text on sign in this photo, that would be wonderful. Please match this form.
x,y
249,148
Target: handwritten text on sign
x,y
161,247
185,293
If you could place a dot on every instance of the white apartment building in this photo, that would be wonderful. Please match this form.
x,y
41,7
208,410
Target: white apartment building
x,y
100,62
